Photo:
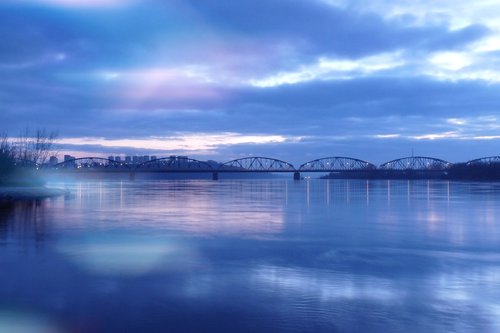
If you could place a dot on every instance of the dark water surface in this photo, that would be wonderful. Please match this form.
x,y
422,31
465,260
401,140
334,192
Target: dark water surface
x,y
253,256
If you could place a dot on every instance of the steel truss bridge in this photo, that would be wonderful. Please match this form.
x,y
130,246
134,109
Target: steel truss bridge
x,y
417,163
486,161
257,164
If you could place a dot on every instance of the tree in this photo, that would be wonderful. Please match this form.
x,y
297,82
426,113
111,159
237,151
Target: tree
x,y
19,156
35,148
7,154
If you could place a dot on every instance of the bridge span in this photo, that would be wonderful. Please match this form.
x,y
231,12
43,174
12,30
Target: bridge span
x,y
258,164
341,166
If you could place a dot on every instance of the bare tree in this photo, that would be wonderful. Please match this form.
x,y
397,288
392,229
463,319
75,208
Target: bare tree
x,y
7,151
7,156
35,147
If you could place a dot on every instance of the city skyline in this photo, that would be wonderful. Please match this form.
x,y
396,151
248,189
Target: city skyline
x,y
219,80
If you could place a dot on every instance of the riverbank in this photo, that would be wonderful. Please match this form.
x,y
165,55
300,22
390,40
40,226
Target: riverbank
x,y
11,193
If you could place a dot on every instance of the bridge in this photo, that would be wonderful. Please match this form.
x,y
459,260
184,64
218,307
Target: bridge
x,y
259,164
171,164
91,163
417,163
490,160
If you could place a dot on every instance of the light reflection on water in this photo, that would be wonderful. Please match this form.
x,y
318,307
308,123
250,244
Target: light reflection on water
x,y
255,256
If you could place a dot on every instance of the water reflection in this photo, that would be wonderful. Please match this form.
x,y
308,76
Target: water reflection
x,y
24,322
24,222
320,285
198,207
121,254
254,256
431,211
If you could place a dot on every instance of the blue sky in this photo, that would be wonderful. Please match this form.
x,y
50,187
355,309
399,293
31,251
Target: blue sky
x,y
220,79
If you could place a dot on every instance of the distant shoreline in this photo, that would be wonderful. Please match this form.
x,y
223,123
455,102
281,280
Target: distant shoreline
x,y
454,173
13,193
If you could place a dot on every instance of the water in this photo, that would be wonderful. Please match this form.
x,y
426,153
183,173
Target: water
x,y
253,256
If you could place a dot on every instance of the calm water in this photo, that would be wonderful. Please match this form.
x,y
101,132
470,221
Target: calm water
x,y
253,256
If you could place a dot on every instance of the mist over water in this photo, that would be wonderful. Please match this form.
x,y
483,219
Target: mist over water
x,y
253,256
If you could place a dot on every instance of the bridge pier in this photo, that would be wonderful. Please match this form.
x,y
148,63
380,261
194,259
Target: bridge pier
x,y
215,176
296,175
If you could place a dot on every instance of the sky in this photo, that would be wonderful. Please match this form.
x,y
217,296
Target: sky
x,y
294,80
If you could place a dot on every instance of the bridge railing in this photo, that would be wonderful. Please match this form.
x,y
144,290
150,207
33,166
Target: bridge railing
x,y
262,164
336,163
256,164
175,164
416,163
484,161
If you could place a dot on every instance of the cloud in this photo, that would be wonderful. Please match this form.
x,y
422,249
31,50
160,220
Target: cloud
x,y
339,77
452,61
313,27
332,69
457,13
75,3
186,142
378,96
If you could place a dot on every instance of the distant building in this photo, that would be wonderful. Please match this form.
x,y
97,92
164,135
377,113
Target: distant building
x,y
53,160
154,157
71,159
128,159
118,159
135,159
111,158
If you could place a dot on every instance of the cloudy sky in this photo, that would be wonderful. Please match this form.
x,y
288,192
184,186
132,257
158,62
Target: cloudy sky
x,y
222,79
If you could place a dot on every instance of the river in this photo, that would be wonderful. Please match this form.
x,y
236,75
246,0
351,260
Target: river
x,y
268,255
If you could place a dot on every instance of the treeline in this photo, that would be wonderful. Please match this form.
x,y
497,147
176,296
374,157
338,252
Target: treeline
x,y
30,148
475,171
458,171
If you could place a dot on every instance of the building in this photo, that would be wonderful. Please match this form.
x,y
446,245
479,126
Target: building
x,y
53,160
70,161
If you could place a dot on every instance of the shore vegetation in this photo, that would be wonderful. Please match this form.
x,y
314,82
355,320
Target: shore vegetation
x,y
21,156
